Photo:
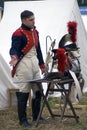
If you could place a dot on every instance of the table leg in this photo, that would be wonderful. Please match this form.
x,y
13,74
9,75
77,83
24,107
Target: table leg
x,y
44,102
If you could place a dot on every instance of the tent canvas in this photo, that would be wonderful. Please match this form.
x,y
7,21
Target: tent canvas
x,y
5,83
83,10
51,19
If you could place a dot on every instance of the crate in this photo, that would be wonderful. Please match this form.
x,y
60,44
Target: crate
x,y
12,91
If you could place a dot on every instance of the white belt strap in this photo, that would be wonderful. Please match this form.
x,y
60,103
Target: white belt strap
x,y
77,85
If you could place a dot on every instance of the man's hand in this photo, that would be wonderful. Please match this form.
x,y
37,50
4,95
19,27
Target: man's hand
x,y
44,71
13,61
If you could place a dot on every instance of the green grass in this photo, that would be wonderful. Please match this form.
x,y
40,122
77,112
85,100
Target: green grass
x,y
9,119
57,100
83,101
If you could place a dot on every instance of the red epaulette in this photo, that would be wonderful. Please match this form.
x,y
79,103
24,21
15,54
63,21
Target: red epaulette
x,y
18,32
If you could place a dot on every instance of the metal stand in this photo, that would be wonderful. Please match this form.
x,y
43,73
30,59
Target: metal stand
x,y
60,88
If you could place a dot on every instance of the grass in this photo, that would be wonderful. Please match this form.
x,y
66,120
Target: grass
x,y
9,119
83,101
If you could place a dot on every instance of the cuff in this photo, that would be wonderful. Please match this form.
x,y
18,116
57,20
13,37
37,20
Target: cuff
x,y
42,66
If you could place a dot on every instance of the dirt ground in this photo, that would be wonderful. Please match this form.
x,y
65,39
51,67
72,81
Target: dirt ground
x,y
9,117
9,120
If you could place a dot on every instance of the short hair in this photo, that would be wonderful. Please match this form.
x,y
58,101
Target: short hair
x,y
26,14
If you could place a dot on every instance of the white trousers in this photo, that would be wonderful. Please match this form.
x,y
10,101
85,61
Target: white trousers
x,y
27,69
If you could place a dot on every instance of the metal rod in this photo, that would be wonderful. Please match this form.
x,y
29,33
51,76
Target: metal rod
x,y
46,42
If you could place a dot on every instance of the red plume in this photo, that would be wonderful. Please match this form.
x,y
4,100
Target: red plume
x,y
61,55
72,29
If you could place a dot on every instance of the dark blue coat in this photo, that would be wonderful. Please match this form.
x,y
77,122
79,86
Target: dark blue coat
x,y
19,41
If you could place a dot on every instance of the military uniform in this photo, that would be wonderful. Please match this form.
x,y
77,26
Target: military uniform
x,y
26,47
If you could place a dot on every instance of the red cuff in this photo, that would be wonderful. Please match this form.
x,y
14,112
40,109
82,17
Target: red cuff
x,y
42,66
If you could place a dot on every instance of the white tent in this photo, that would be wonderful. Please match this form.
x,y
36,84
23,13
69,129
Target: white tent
x,y
51,19
84,17
5,83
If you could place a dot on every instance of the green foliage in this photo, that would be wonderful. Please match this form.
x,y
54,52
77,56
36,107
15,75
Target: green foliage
x,y
82,2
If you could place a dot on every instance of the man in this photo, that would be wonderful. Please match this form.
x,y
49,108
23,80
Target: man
x,y
26,58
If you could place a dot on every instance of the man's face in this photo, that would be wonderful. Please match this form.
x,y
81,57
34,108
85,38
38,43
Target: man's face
x,y
29,22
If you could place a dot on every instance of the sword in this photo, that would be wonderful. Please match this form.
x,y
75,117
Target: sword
x,y
30,81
